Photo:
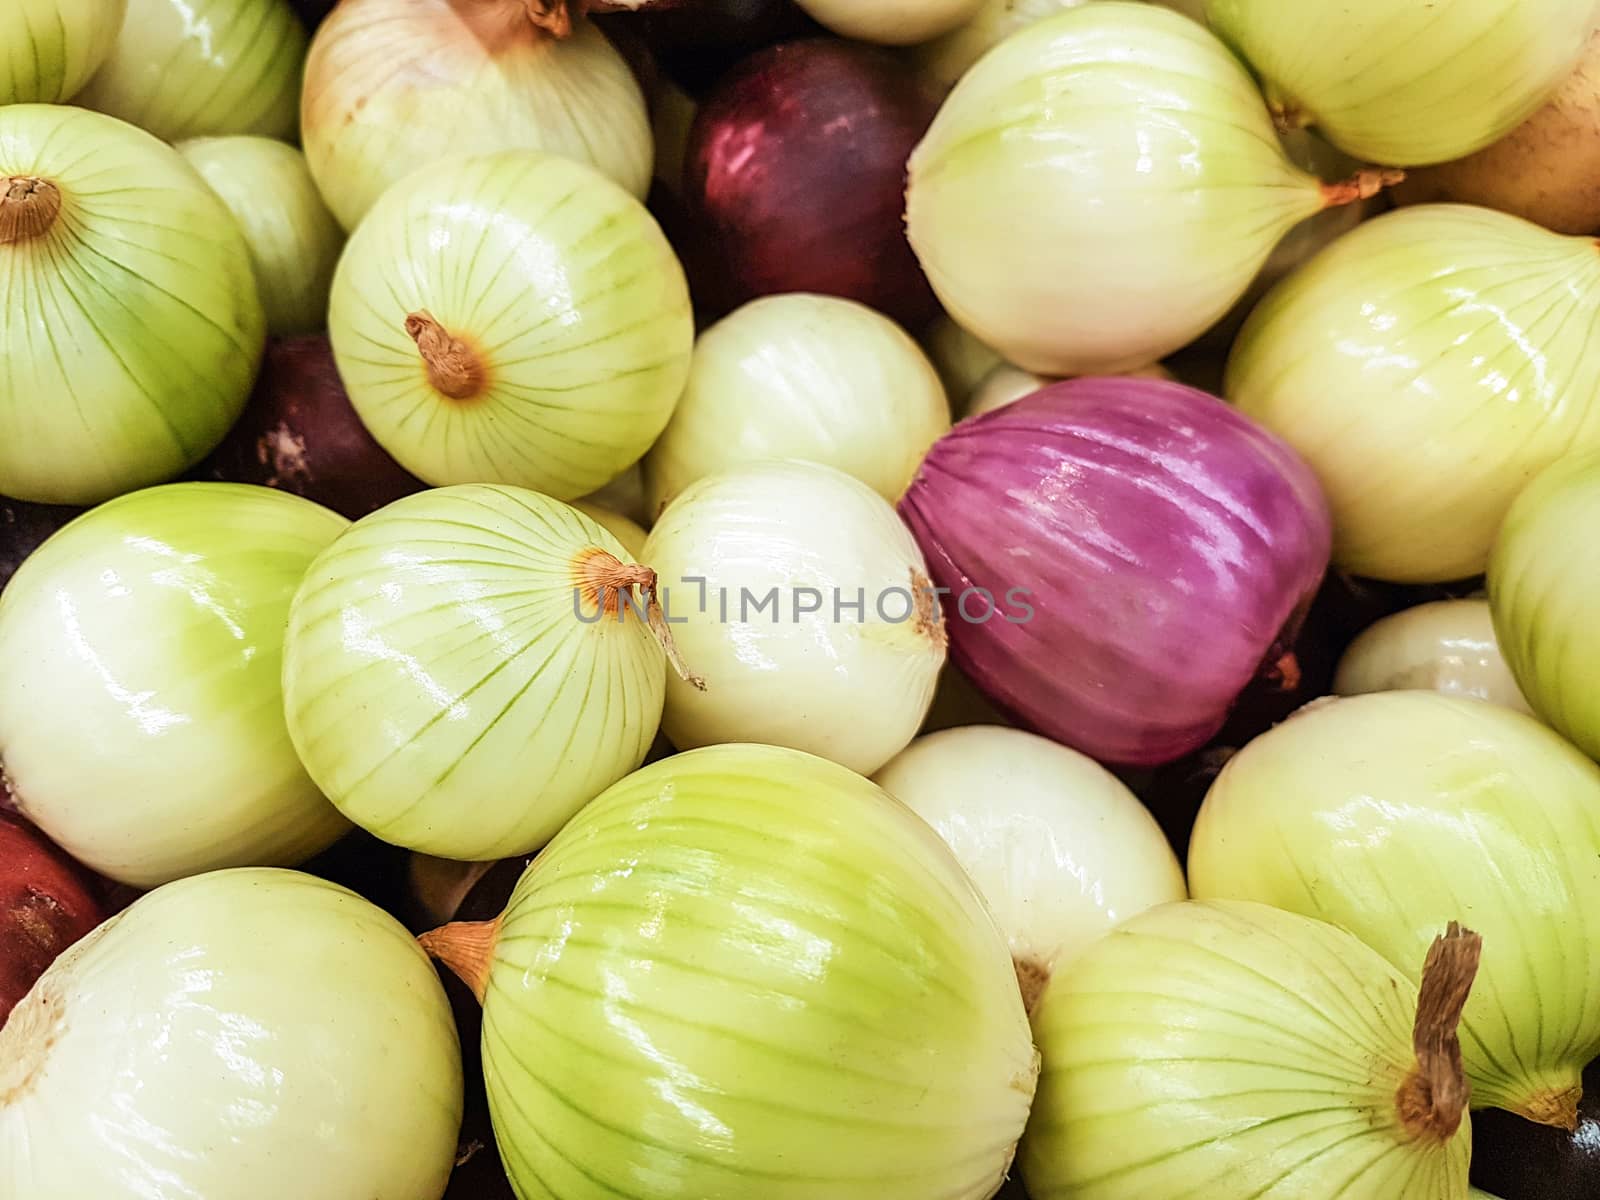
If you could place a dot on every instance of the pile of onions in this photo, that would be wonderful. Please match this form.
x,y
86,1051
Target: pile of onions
x,y
1385,813
806,605
110,244
141,713
431,326
467,667
808,377
1407,82
892,22
1446,646
796,171
203,68
1122,557
1233,1051
52,47
272,1035
395,85
1104,234
628,532
1427,365
46,904
785,972
1060,849
294,240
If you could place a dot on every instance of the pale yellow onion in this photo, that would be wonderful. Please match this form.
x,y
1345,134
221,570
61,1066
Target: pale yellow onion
x,y
624,495
961,359
49,48
1426,365
1448,646
618,526
1100,235
946,59
294,240
671,121
808,377
202,68
1390,813
393,86
890,22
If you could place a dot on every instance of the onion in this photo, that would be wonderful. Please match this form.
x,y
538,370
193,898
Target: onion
x,y
618,526
798,594
518,319
141,715
1407,82
112,246
892,22
1097,236
23,528
784,971
807,377
961,359
1541,592
294,240
1122,557
53,46
242,1035
946,59
1447,646
1233,1051
396,85
300,433
1007,383
1060,849
1524,1161
203,68
1382,813
46,904
624,496
1426,365
467,667
695,43
797,168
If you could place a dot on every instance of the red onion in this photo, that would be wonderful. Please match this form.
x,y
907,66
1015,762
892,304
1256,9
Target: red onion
x,y
797,165
695,41
1147,551
46,904
24,527
300,434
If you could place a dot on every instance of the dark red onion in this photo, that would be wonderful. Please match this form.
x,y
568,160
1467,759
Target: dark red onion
x,y
23,528
46,903
1166,546
301,434
697,41
796,167
1517,1160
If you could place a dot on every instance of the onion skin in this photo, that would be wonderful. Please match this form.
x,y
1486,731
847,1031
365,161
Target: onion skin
x,y
1448,646
797,168
1524,1161
1166,544
23,529
46,904
51,48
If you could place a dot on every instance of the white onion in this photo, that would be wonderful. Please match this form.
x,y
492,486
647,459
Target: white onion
x,y
1448,646
49,48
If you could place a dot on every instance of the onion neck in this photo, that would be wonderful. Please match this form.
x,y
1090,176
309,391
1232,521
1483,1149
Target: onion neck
x,y
1433,1099
602,580
29,207
467,948
1363,185
455,368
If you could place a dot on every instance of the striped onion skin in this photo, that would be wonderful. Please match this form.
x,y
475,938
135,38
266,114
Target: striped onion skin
x,y
130,329
395,85
745,971
1230,1051
49,48
141,714
1407,83
440,685
572,304
204,68
1389,814
1426,366
249,1034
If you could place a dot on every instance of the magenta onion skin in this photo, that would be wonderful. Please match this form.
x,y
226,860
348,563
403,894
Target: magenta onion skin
x,y
796,170
1166,545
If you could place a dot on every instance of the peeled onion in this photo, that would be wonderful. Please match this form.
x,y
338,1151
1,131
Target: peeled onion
x,y
46,904
396,85
892,22
51,47
1447,646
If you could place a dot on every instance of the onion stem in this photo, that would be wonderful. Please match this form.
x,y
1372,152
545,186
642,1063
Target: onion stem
x,y
603,576
1363,185
1434,1097
467,948
28,208
454,367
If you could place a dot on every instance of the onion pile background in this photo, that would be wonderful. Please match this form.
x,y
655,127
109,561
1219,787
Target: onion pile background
x,y
799,599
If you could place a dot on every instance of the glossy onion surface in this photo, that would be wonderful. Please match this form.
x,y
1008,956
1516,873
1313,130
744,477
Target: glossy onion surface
x,y
1447,646
49,48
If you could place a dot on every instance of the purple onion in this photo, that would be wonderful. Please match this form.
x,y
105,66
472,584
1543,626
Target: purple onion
x,y
1166,546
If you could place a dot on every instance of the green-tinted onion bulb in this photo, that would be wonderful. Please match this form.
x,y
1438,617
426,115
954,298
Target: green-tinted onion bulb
x,y
1447,646
49,48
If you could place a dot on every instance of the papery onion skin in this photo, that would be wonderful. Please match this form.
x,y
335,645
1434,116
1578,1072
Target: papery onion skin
x,y
1407,83
797,170
397,85
1146,551
110,244
881,986
23,529
1060,849
783,664
559,318
46,904
203,68
451,681
49,48
1382,813
1427,365
891,22
274,1036
1447,646
294,240
1232,1051
142,645
1007,203
809,377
